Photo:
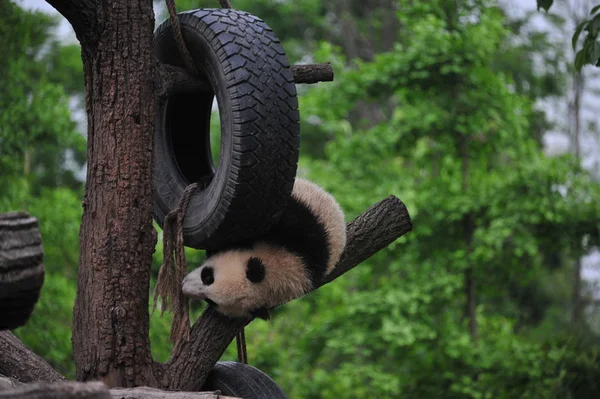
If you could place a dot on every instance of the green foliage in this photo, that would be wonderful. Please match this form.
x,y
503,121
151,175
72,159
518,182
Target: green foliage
x,y
48,331
589,54
37,135
590,51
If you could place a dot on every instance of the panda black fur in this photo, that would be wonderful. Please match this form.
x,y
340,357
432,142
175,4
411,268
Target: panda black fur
x,y
250,278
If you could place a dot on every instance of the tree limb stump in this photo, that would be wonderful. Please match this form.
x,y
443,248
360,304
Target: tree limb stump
x,y
313,73
19,362
21,268
373,230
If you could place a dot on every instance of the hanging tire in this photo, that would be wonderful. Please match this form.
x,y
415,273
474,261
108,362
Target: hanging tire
x,y
252,81
242,381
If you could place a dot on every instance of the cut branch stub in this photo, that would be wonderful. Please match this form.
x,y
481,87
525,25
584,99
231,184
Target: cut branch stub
x,y
376,228
175,79
313,73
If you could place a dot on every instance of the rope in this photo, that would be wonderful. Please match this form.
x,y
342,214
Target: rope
x,y
178,36
173,271
240,340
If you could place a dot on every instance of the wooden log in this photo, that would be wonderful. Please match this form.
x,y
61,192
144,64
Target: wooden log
x,y
19,362
151,393
21,268
11,388
174,79
313,73
373,230
8,383
58,390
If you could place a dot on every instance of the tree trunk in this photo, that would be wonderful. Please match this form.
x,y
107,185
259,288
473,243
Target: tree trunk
x,y
577,303
468,229
111,321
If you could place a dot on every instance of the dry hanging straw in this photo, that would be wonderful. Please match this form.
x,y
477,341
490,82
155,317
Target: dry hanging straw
x,y
173,271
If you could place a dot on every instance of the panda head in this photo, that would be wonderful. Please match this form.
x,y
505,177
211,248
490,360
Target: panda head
x,y
248,282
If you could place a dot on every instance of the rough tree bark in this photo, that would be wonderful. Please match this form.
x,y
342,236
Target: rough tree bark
x,y
19,362
111,321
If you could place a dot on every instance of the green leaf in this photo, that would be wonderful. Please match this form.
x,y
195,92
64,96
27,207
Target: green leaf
x,y
545,4
594,26
577,33
593,52
596,8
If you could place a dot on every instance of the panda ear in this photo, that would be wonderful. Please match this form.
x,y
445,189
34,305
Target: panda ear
x,y
255,270
210,253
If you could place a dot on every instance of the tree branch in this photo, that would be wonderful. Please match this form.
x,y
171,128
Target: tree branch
x,y
376,228
313,73
19,362
81,14
175,79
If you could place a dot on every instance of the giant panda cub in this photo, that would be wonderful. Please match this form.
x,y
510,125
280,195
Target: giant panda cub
x,y
251,278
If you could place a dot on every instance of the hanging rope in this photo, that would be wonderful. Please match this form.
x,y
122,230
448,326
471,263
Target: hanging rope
x,y
178,36
173,271
240,340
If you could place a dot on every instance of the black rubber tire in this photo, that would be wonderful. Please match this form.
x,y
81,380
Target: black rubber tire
x,y
21,268
242,381
254,86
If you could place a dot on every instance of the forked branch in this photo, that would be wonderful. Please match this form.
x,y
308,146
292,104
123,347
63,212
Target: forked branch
x,y
376,228
81,14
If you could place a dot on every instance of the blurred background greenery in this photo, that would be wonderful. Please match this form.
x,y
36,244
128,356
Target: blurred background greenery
x,y
469,111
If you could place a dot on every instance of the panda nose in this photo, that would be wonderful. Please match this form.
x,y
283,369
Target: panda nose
x,y
207,276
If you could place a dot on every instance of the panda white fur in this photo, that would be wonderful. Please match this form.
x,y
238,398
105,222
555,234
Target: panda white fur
x,y
250,278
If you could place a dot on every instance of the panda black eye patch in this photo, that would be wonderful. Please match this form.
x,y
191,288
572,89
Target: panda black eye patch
x,y
207,276
255,270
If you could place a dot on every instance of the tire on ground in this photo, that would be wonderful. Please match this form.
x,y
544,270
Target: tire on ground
x,y
242,381
253,83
